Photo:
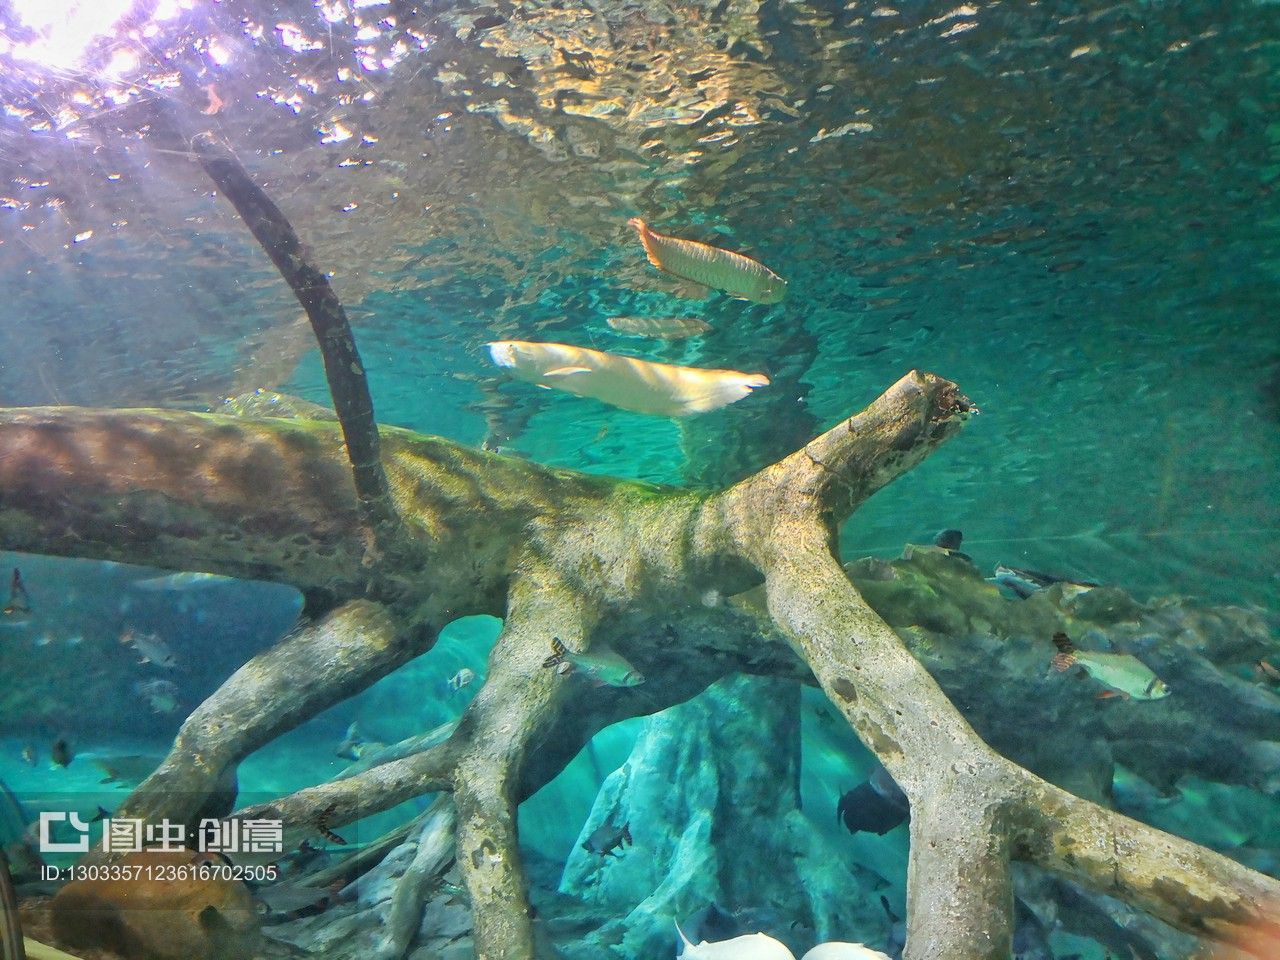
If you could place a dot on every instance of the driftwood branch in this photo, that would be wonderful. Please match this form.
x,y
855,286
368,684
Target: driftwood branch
x,y
584,559
348,383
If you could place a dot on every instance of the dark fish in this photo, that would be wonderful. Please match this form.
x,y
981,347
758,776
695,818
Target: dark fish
x,y
280,902
607,838
877,806
18,609
102,813
712,923
897,940
949,539
60,753
1030,938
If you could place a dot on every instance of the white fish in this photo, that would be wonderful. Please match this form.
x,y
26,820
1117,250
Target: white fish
x,y
150,648
661,389
838,950
753,946
462,678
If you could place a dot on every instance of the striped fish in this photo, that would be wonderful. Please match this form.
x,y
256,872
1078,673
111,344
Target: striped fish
x,y
660,328
735,274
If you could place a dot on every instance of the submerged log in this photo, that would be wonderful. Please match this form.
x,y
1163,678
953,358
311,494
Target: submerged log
x,y
575,557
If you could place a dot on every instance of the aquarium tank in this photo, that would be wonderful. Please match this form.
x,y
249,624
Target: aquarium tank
x,y
639,479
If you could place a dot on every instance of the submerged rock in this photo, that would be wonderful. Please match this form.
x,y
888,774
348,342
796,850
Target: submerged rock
x,y
158,914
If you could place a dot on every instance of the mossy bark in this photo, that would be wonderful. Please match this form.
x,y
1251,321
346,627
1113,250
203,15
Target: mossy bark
x,y
586,560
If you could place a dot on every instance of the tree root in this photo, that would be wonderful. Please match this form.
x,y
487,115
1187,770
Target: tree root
x,y
587,559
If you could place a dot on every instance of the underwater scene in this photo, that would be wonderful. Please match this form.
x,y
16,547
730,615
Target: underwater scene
x,y
639,479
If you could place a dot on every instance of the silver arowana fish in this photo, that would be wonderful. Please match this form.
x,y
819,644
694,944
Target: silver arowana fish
x,y
753,946
735,274
626,382
659,328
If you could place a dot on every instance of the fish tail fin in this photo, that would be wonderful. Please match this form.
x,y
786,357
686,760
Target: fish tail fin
x,y
646,239
558,653
723,391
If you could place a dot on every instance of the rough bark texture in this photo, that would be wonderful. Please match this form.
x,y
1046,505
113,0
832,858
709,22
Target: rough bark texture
x,y
591,561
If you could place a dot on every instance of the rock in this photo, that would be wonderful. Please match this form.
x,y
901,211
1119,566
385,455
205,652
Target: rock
x,y
156,916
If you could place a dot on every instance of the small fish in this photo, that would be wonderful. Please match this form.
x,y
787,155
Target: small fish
x,y
150,648
161,694
1268,671
463,678
877,806
606,667
126,770
1024,582
949,539
642,386
60,754
182,581
753,946
102,813
18,609
660,328
737,275
29,754
1122,674
606,838
354,745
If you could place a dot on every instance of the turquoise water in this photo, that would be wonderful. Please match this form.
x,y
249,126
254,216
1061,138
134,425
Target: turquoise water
x,y
1069,209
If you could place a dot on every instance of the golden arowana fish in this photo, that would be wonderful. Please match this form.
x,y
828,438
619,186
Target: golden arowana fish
x,y
662,389
735,274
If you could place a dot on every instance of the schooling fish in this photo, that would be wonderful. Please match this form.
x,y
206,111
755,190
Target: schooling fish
x,y
1026,582
150,648
605,839
660,328
753,946
1122,673
18,609
162,695
737,275
606,667
661,389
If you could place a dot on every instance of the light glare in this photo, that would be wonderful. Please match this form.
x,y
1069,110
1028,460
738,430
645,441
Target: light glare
x,y
65,27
